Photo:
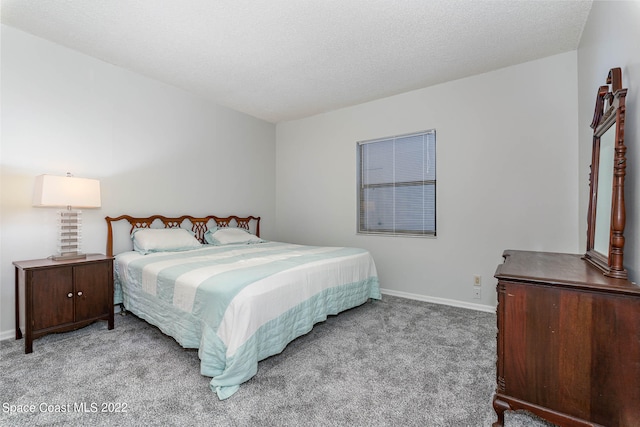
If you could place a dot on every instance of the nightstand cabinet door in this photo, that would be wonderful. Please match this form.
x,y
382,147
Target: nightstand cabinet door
x,y
52,297
91,290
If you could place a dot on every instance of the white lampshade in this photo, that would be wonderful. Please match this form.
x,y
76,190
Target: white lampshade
x,y
66,191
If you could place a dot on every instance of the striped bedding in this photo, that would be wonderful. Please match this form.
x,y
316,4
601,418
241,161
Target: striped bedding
x,y
238,304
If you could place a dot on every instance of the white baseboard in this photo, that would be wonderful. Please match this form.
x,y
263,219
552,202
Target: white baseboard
x,y
443,301
6,335
11,334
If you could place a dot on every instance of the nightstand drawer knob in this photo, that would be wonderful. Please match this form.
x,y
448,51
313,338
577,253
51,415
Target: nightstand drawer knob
x,y
69,295
80,293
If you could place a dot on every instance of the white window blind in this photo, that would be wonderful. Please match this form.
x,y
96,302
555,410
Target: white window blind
x,y
397,185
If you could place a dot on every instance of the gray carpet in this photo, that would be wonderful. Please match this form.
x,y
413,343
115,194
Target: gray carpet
x,y
395,362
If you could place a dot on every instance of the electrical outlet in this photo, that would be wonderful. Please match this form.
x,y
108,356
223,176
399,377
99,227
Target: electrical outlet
x,y
477,280
477,292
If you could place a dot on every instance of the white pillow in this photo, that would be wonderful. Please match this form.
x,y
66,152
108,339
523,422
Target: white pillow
x,y
147,240
230,235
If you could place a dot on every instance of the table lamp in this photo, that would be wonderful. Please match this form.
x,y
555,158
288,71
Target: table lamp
x,y
70,192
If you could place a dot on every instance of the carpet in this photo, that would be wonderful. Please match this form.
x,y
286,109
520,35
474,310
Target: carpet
x,y
394,362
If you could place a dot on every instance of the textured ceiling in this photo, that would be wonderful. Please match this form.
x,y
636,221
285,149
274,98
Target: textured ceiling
x,y
285,59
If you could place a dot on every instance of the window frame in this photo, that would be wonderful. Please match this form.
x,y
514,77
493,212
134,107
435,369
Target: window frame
x,y
361,230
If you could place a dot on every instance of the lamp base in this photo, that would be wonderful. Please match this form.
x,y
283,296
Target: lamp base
x,y
69,236
68,256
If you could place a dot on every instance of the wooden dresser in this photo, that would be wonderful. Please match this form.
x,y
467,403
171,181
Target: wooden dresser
x,y
568,341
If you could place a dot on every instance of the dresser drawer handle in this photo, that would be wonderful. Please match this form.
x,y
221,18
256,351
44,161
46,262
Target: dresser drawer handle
x,y
69,295
80,293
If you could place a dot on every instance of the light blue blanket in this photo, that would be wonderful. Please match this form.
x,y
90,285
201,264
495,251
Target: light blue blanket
x,y
202,298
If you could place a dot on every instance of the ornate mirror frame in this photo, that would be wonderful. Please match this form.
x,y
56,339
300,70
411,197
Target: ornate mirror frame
x,y
606,216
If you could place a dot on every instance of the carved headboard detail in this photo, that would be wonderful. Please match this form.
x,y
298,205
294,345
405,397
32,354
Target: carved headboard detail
x,y
198,225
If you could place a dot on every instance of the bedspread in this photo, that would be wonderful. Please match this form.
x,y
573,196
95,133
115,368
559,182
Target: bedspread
x,y
239,304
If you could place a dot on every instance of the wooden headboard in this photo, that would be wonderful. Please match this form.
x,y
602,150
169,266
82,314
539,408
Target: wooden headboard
x,y
198,225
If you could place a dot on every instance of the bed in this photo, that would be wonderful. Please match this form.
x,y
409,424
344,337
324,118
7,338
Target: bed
x,y
214,285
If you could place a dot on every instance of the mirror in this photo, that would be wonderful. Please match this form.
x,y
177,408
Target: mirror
x,y
604,194
606,216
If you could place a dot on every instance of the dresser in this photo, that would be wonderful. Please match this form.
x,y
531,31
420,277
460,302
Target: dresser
x,y
59,296
568,342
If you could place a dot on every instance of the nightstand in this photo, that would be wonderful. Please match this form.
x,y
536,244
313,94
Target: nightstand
x,y
60,296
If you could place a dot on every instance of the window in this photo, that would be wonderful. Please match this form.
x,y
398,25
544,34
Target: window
x,y
397,185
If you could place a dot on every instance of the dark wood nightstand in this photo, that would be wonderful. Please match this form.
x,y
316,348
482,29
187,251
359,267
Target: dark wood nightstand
x,y
60,296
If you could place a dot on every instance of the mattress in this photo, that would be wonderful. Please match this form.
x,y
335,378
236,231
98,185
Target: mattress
x,y
239,304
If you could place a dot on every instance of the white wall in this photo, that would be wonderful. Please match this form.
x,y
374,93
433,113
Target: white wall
x,y
507,162
610,39
155,149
